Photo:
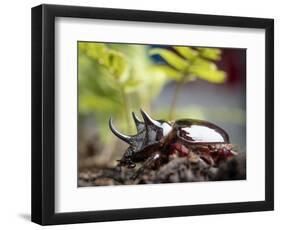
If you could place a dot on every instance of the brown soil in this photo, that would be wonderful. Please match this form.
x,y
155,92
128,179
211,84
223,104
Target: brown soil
x,y
178,169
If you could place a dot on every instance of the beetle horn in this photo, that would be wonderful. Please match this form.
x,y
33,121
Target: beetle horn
x,y
118,134
148,120
137,121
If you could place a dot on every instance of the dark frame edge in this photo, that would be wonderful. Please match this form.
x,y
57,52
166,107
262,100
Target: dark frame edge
x,y
158,212
36,114
42,117
269,113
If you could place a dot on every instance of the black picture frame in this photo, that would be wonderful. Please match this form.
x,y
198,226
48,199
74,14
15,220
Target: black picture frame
x,y
43,114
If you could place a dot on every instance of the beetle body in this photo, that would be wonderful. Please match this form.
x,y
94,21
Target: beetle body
x,y
157,140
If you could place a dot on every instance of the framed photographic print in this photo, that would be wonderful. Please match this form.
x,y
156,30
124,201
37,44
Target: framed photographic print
x,y
142,114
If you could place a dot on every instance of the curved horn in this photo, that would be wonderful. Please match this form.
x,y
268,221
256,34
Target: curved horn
x,y
137,121
118,134
148,120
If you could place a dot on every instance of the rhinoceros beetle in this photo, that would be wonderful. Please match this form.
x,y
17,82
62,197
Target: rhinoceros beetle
x,y
157,140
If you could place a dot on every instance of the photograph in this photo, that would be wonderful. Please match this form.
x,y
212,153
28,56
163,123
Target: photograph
x,y
152,114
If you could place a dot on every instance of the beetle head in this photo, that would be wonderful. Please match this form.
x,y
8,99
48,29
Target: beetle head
x,y
149,133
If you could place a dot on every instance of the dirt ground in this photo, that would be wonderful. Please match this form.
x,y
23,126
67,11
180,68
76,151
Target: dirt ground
x,y
178,169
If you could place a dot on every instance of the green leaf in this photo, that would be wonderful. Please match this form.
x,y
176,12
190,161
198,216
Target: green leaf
x,y
210,53
89,102
96,51
211,75
205,64
116,63
113,60
171,58
167,71
131,85
186,52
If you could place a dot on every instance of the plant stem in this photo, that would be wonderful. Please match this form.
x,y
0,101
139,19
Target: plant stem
x,y
174,99
185,78
126,108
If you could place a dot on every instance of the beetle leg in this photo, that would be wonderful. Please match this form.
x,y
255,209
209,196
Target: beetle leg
x,y
208,159
118,167
148,162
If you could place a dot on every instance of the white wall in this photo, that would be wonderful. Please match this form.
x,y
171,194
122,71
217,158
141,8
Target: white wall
x,y
15,114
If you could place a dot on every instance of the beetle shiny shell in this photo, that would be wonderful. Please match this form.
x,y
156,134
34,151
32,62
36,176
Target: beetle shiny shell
x,y
198,132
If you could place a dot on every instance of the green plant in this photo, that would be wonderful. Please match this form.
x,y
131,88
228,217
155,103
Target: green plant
x,y
116,79
119,78
186,64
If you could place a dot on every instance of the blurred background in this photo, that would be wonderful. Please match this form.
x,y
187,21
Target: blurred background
x,y
168,82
